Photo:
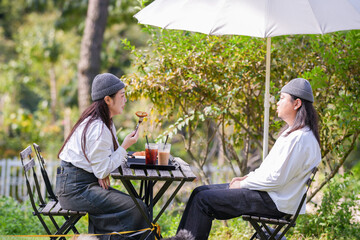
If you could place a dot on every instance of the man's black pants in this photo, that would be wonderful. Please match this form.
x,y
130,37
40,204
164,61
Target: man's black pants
x,y
217,201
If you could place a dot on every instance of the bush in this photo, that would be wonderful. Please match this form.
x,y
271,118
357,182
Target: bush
x,y
17,219
334,218
170,219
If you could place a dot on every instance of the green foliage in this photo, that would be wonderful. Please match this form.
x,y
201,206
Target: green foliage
x,y
73,13
335,216
231,229
39,66
337,90
12,14
170,220
206,88
356,170
30,111
17,219
330,62
200,83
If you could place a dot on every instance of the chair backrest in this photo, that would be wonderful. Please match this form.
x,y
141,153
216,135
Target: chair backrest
x,y
44,173
308,183
293,218
40,207
33,187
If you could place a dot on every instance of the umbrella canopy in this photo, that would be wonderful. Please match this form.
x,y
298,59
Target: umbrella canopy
x,y
257,18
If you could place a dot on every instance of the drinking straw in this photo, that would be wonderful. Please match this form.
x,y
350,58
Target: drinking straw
x,y
166,141
148,145
147,140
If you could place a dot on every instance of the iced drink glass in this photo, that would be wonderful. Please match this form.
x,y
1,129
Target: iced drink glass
x,y
164,153
151,153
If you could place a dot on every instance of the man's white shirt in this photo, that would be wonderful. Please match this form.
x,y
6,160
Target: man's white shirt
x,y
284,172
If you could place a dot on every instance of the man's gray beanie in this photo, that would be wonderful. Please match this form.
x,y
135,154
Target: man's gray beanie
x,y
105,84
300,88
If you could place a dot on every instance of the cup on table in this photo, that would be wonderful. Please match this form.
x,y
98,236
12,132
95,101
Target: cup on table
x,y
164,153
151,153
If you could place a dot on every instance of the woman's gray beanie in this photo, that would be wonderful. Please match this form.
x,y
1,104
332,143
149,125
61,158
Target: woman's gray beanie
x,y
299,87
105,84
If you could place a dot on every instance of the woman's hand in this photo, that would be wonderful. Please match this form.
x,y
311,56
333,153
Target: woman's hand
x,y
130,139
104,183
235,182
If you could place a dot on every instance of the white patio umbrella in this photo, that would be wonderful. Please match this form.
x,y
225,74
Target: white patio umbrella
x,y
257,18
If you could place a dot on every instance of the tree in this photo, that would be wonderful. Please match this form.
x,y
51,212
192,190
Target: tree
x,y
208,85
90,59
40,45
44,59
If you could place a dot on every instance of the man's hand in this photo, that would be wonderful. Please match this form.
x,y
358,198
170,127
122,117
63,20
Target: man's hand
x,y
105,183
235,182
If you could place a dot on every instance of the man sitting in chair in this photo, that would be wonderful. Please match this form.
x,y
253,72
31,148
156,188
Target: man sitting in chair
x,y
277,186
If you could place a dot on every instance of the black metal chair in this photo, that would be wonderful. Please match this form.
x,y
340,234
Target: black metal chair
x,y
41,206
44,173
262,224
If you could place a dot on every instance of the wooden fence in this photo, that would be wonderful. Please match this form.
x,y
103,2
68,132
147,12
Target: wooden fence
x,y
12,179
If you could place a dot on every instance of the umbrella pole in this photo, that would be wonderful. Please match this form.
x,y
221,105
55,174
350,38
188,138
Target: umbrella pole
x,y
267,99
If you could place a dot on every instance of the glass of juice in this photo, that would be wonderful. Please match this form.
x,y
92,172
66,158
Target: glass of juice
x,y
164,153
151,153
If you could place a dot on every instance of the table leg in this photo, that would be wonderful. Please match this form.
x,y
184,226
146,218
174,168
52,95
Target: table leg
x,y
141,189
146,193
131,192
162,191
128,188
168,201
151,199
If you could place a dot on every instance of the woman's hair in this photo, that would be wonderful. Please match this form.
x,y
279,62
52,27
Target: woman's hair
x,y
98,109
305,116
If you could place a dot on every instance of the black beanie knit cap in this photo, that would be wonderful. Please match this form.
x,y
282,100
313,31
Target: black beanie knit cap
x,y
105,84
300,88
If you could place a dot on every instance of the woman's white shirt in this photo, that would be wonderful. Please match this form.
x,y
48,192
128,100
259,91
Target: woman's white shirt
x,y
286,169
99,149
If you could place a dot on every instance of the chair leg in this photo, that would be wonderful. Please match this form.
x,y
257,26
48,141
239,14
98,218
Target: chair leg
x,y
258,229
67,225
285,231
54,222
43,223
271,231
253,236
267,229
73,228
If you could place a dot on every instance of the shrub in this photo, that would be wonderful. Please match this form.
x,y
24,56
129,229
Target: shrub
x,y
169,221
334,217
17,219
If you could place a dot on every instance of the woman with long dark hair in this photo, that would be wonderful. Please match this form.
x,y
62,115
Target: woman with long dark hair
x,y
88,156
277,186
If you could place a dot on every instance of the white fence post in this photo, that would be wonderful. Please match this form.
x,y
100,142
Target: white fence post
x,y
12,180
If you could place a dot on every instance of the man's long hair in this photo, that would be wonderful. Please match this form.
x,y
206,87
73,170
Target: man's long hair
x,y
305,116
98,109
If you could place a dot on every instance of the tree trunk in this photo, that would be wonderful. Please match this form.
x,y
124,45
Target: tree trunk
x,y
89,63
67,122
53,92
